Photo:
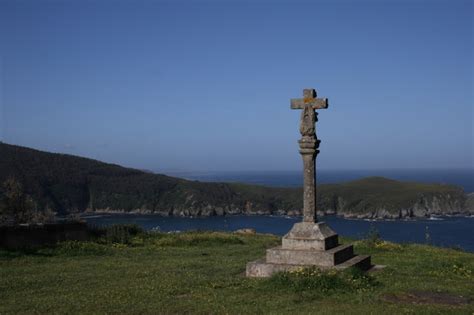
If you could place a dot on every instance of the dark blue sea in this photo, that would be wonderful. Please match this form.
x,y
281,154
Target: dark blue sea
x,y
442,231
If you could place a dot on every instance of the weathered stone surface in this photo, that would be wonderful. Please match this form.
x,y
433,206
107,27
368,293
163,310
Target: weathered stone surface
x,y
260,268
309,99
309,188
309,144
309,235
324,258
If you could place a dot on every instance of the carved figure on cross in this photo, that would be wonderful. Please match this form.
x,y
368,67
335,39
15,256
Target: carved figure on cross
x,y
309,103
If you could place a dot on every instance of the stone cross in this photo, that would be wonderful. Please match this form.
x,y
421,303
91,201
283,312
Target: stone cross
x,y
308,243
309,145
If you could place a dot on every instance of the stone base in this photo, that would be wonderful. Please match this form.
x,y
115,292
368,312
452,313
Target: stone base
x,y
327,258
308,244
261,268
308,235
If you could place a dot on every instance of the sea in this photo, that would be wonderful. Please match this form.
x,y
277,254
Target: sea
x,y
454,231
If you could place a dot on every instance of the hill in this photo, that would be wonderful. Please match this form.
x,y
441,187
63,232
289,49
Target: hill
x,y
67,184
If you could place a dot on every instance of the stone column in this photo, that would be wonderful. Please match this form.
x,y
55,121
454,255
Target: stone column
x,y
308,151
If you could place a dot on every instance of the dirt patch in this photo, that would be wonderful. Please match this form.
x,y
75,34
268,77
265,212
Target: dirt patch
x,y
427,297
376,268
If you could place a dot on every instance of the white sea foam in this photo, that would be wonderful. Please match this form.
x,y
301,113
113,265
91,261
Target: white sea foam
x,y
93,216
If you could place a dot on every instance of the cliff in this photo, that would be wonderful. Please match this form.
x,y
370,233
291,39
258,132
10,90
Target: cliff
x,y
66,183
381,198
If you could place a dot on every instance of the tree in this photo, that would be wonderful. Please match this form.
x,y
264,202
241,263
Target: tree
x,y
15,205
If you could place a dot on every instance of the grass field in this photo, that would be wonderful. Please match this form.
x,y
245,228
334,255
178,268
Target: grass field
x,y
203,273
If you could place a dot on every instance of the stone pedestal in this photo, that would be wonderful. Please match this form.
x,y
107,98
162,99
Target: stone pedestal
x,y
307,244
310,235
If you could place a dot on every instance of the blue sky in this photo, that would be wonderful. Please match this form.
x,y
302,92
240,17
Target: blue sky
x,y
205,85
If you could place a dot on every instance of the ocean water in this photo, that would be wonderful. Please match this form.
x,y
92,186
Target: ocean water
x,y
443,231
460,177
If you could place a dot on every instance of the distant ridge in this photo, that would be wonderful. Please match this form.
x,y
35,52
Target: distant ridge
x,y
68,183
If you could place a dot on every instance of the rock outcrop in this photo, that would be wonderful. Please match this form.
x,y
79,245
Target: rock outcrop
x,y
425,206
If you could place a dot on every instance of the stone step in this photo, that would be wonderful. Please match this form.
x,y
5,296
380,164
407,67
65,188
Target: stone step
x,y
360,261
261,268
342,253
301,257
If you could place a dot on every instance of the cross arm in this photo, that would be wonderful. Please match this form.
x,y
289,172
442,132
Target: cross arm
x,y
315,103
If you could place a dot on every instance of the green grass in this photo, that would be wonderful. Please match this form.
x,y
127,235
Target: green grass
x,y
203,273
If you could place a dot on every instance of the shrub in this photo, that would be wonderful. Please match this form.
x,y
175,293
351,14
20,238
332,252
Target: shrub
x,y
127,234
15,205
373,236
122,233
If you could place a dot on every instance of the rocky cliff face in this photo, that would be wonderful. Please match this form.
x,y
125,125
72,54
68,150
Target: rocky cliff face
x,y
425,206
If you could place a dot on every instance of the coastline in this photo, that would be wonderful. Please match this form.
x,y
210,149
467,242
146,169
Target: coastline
x,y
99,214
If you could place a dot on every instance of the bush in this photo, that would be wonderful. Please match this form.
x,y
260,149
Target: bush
x,y
127,234
122,233
373,237
15,206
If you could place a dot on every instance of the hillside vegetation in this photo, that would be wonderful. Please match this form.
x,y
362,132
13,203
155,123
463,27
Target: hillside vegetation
x,y
70,184
203,273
